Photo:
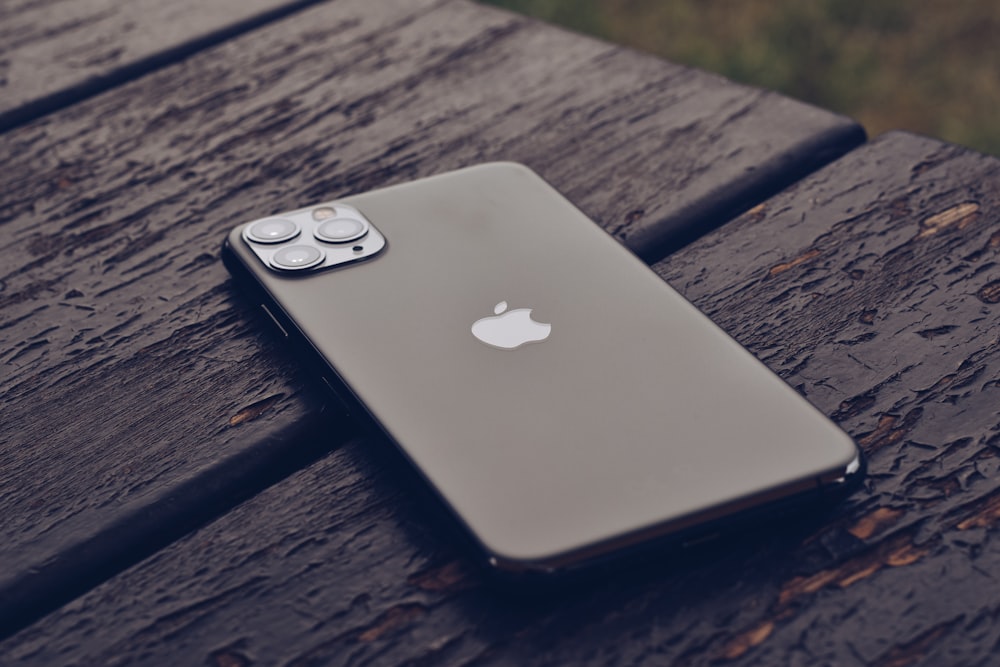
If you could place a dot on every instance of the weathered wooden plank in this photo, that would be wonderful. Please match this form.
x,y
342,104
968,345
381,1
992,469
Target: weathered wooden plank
x,y
131,370
871,287
54,53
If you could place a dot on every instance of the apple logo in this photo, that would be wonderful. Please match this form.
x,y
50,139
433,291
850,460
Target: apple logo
x,y
510,329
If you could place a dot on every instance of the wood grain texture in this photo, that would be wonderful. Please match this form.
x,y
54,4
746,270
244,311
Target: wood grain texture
x,y
889,325
55,52
131,371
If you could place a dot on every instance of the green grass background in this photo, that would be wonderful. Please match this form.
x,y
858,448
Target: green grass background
x,y
929,66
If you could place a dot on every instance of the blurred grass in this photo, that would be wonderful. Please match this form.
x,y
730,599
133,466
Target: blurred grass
x,y
929,66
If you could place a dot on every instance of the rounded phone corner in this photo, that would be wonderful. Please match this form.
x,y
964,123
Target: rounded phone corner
x,y
228,255
512,568
508,166
518,576
511,164
558,564
845,478
515,564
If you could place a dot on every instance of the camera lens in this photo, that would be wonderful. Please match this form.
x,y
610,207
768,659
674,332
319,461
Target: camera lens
x,y
272,230
341,230
296,257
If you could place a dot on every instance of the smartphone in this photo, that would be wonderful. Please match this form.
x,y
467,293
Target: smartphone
x,y
563,401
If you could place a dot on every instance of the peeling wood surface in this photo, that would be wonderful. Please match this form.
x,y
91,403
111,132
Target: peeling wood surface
x,y
141,396
53,52
345,562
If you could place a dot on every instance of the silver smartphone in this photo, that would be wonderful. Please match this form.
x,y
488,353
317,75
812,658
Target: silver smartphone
x,y
562,400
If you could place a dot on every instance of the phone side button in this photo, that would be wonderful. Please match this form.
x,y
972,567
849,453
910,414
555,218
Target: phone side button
x,y
275,320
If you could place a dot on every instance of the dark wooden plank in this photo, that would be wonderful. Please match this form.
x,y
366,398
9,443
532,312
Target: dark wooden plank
x,y
872,287
54,53
135,383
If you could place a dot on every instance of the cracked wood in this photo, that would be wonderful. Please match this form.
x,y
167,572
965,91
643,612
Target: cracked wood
x,y
55,53
141,395
901,573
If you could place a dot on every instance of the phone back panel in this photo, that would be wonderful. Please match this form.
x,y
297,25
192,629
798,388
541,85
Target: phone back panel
x,y
636,416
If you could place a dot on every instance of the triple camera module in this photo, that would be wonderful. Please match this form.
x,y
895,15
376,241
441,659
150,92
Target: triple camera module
x,y
313,238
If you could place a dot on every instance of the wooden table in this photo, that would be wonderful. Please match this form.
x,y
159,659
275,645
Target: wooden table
x,y
175,491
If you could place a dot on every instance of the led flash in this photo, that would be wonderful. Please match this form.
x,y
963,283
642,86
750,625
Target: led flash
x,y
323,212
